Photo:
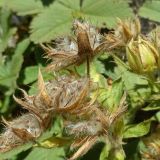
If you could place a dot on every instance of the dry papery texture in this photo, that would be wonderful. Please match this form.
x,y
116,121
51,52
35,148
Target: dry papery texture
x,y
73,50
54,97
85,120
152,144
87,42
125,31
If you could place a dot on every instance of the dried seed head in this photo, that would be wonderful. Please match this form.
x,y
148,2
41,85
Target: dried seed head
x,y
9,140
125,31
62,95
73,94
68,51
19,131
67,44
93,36
69,97
60,59
88,130
83,41
128,29
30,126
26,126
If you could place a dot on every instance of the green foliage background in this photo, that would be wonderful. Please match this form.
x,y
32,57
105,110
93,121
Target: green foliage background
x,y
24,24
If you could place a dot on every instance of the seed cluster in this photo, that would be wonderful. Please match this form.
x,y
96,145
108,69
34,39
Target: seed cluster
x,y
69,96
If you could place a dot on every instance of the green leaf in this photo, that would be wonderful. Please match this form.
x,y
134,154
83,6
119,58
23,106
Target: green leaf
x,y
116,154
6,36
155,105
15,151
33,89
123,66
25,7
10,72
114,66
151,10
105,152
107,11
71,4
54,21
17,58
4,18
115,94
111,96
137,130
46,154
6,39
30,74
96,70
2,2
157,116
56,129
137,88
5,104
54,142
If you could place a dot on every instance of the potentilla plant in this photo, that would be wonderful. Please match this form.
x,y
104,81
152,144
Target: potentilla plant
x,y
92,107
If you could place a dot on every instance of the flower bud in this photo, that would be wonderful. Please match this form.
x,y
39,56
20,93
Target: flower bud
x,y
142,56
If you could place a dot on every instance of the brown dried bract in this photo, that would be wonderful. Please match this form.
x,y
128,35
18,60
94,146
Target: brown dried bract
x,y
61,96
9,140
87,131
125,31
68,51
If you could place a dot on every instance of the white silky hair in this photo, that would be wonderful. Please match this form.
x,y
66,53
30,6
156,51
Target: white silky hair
x,y
89,128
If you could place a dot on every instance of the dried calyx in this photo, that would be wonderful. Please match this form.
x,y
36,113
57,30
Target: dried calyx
x,y
84,118
88,131
59,96
126,30
86,43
